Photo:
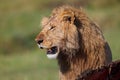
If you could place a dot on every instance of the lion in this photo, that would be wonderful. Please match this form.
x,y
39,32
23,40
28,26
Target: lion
x,y
76,42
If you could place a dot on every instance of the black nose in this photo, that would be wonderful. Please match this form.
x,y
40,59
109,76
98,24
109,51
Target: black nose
x,y
39,41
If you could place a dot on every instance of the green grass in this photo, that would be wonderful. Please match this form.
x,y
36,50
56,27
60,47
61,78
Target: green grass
x,y
28,66
112,37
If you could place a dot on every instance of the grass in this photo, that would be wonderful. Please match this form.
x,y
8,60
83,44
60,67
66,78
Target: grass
x,y
28,66
111,36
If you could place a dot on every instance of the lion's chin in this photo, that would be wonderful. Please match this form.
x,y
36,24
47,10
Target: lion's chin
x,y
53,52
52,56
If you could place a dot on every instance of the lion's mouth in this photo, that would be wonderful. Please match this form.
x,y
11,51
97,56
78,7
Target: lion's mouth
x,y
52,52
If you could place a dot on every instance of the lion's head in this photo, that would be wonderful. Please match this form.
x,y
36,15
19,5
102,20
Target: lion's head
x,y
59,32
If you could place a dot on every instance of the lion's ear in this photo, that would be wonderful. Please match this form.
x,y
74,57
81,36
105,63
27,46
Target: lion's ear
x,y
73,20
68,17
44,21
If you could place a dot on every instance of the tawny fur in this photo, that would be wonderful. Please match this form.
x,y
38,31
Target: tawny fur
x,y
81,42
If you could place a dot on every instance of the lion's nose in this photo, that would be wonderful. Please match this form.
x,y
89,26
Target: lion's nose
x,y
39,41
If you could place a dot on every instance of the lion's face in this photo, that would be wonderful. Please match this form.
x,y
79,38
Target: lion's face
x,y
58,33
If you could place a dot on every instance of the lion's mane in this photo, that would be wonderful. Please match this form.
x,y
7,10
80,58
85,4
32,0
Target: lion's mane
x,y
88,49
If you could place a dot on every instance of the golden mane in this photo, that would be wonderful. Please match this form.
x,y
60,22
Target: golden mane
x,y
83,46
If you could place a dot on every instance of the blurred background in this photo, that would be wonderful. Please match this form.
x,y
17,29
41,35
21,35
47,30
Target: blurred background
x,y
20,58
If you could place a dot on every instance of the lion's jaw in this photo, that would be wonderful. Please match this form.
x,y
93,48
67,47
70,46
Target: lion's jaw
x,y
52,56
52,53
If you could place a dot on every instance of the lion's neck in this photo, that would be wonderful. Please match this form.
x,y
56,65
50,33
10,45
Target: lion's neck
x,y
71,67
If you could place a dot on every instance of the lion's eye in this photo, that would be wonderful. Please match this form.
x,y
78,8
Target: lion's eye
x,y
52,27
